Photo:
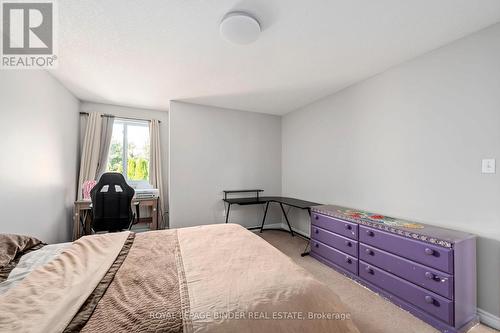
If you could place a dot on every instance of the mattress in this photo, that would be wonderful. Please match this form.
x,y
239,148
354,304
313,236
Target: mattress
x,y
216,278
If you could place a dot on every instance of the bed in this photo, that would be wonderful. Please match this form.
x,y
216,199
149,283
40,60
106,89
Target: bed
x,y
215,278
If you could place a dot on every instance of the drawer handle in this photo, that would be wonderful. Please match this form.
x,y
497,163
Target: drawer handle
x,y
348,260
429,300
430,276
348,227
428,251
369,270
347,243
370,233
316,231
316,245
369,252
316,217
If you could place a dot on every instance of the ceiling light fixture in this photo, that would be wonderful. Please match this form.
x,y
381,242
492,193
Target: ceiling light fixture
x,y
240,28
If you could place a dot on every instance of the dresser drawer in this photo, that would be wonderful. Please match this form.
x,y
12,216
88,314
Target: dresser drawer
x,y
429,278
341,243
340,227
430,302
337,257
427,254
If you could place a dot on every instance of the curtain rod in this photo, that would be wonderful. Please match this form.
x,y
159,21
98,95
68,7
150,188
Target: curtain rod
x,y
110,115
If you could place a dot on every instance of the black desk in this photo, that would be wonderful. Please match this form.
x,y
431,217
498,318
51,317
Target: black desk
x,y
301,204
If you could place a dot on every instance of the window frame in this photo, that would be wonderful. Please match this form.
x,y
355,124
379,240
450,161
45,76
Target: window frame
x,y
130,122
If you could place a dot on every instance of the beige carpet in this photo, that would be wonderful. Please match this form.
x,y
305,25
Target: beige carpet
x,y
371,313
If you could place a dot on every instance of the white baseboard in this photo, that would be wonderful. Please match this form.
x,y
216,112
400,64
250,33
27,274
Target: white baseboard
x,y
488,319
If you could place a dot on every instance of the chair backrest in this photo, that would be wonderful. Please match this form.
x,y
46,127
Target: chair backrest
x,y
111,203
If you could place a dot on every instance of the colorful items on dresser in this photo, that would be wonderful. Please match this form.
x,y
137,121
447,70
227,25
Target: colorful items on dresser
x,y
362,215
426,270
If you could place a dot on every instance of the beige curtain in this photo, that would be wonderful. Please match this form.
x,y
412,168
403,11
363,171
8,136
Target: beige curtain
x,y
106,132
95,148
155,174
90,151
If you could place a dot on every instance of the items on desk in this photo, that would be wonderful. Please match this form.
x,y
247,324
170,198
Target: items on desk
x,y
147,193
87,186
144,190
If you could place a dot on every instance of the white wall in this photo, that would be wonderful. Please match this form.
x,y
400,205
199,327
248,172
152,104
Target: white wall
x,y
122,111
214,149
409,143
38,164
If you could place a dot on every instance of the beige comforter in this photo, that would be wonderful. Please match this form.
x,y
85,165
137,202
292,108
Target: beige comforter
x,y
217,278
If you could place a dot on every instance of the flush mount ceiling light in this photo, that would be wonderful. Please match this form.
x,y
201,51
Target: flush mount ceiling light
x,y
240,28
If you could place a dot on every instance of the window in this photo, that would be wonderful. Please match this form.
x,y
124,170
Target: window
x,y
129,150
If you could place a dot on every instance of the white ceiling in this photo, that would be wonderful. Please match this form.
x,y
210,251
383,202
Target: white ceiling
x,y
146,53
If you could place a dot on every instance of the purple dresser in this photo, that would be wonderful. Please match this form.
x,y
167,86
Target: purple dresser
x,y
426,270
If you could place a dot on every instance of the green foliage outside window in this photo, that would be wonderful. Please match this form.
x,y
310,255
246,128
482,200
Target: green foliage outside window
x,y
115,158
137,166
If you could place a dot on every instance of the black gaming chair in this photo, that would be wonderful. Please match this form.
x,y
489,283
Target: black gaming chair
x,y
112,203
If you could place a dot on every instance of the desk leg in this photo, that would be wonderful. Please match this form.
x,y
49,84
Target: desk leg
x,y
286,218
306,253
264,219
155,216
76,223
87,222
138,213
227,213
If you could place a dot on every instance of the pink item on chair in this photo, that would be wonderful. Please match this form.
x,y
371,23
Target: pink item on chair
x,y
88,185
